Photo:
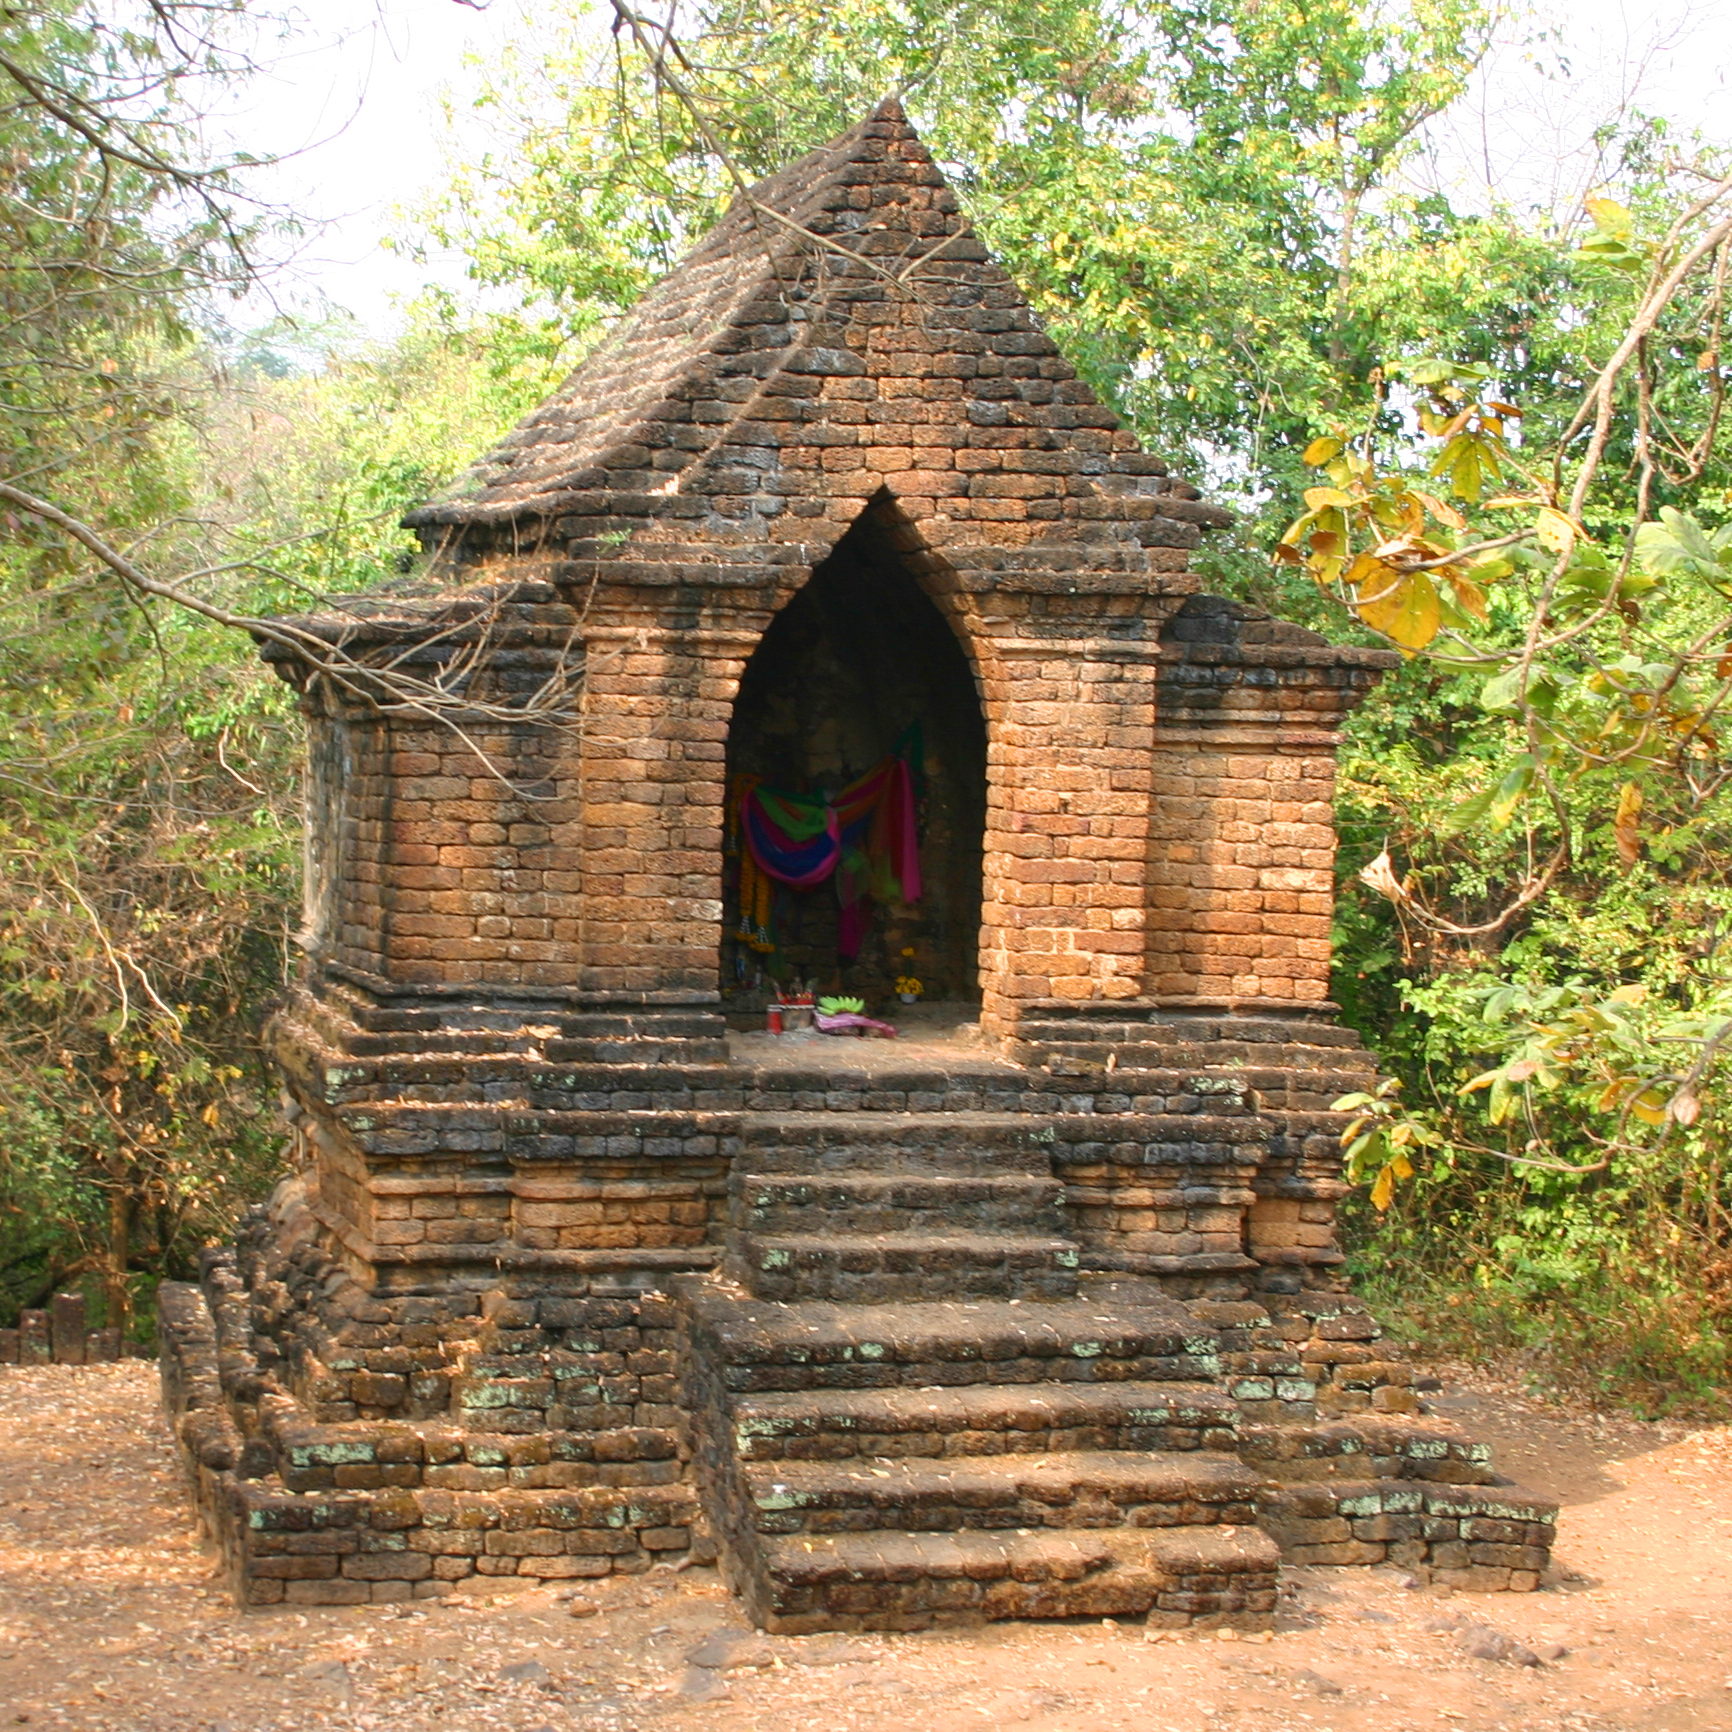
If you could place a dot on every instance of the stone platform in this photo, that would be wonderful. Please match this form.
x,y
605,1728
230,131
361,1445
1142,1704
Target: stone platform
x,y
981,1339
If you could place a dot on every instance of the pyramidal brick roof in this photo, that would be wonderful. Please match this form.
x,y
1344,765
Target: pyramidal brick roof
x,y
830,271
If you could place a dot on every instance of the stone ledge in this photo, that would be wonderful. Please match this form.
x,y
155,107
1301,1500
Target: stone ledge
x,y
353,1546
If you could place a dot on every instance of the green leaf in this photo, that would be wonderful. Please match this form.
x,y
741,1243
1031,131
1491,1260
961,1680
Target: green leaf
x,y
1511,791
1609,250
1502,692
1439,372
1470,812
1687,532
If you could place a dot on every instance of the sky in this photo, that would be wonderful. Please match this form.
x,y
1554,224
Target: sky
x,y
1526,127
356,112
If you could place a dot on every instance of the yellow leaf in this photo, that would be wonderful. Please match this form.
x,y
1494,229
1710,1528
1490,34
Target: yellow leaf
x,y
1556,533
1321,450
1649,1107
1626,824
1319,498
1468,594
1383,1191
1441,509
1611,216
1369,575
1628,995
1404,606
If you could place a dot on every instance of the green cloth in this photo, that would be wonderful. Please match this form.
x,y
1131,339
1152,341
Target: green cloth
x,y
800,817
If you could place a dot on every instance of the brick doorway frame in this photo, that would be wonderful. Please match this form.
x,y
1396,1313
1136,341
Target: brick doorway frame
x,y
1065,676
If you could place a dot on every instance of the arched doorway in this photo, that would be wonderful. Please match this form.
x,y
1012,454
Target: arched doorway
x,y
858,668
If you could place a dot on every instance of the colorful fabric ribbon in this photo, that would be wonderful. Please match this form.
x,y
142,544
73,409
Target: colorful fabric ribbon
x,y
796,838
757,890
864,836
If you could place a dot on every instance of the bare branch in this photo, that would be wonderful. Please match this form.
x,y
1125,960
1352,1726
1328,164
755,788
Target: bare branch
x,y
384,685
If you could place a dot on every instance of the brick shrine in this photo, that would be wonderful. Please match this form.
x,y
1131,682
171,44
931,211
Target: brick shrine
x,y
1035,1312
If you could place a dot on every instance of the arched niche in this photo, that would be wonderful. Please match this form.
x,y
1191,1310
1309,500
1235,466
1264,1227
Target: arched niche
x,y
858,657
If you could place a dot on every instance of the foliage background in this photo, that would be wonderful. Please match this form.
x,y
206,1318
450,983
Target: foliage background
x,y
1211,203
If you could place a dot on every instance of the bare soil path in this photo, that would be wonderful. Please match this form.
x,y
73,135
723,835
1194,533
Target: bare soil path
x,y
109,1619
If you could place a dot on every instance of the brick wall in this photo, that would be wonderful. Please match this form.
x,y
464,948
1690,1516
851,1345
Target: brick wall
x,y
790,396
1242,840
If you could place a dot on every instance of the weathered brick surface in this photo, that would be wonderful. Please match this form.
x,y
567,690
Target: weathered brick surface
x,y
60,1336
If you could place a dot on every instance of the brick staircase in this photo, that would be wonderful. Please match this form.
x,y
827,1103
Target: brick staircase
x,y
986,1339
873,1207
909,1408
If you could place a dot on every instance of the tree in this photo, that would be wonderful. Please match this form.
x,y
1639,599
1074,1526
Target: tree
x,y
1558,797
163,498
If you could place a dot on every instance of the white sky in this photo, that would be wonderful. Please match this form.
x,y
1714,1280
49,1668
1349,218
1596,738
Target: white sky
x,y
1526,127
358,103
356,111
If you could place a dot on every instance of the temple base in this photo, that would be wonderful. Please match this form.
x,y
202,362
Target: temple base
x,y
982,1339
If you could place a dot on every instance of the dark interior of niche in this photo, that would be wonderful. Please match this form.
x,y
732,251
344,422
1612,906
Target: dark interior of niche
x,y
859,654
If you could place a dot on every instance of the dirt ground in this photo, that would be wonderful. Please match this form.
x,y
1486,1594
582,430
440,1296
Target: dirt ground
x,y
109,1619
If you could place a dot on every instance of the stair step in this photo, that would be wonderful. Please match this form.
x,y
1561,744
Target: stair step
x,y
1065,1489
1152,1071
941,1144
1248,1027
964,1145
1474,1536
764,1345
1139,1046
1382,1446
888,1266
981,1419
894,1203
925,1090
907,1581
439,1046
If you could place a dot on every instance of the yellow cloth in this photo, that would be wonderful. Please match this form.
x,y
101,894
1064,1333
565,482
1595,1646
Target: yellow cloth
x,y
757,888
